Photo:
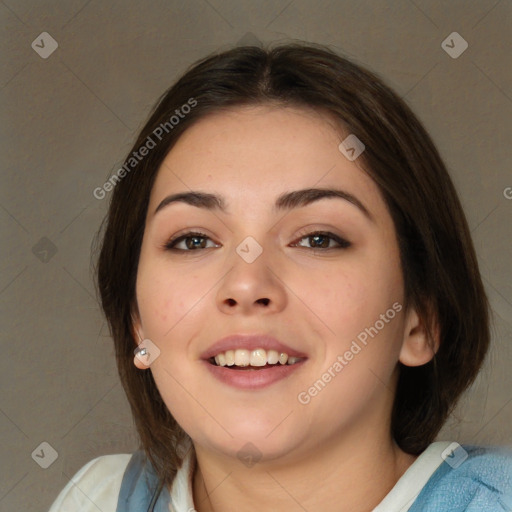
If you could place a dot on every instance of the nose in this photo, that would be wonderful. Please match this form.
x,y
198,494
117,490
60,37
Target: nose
x,y
252,288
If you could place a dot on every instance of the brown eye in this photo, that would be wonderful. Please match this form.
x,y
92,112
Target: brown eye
x,y
322,240
192,241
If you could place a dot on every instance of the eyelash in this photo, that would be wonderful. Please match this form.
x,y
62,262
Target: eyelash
x,y
343,244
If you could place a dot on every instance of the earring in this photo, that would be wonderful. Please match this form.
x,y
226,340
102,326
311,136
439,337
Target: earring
x,y
139,352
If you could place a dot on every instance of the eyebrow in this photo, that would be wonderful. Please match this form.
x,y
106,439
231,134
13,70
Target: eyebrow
x,y
286,201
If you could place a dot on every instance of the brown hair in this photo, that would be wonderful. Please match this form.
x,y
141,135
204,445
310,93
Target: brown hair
x,y
441,275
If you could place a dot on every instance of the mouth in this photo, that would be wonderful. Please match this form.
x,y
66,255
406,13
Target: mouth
x,y
251,362
243,359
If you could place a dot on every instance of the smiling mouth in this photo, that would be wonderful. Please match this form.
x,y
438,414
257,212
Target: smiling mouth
x,y
258,359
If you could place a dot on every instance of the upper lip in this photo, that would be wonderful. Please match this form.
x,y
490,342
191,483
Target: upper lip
x,y
249,342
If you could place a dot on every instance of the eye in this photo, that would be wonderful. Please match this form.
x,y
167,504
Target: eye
x,y
196,240
322,240
193,240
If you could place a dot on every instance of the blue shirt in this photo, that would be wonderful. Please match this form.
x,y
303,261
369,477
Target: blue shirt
x,y
446,477
481,483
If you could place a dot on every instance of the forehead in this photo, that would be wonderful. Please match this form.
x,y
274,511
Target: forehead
x,y
255,153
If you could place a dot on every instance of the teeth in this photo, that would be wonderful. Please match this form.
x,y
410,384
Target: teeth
x,y
230,357
242,357
272,357
258,357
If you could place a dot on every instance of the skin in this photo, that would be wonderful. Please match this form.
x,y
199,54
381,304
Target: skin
x,y
318,301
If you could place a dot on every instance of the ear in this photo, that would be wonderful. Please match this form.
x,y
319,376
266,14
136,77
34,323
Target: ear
x,y
138,336
419,345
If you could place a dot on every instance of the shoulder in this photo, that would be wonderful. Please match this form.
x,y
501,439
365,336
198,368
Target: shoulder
x,y
95,486
471,478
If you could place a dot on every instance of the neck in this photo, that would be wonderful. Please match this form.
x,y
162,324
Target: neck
x,y
352,474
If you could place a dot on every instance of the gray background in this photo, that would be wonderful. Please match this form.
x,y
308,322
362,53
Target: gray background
x,y
69,120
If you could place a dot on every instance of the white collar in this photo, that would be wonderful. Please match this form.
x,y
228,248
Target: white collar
x,y
399,499
408,487
182,496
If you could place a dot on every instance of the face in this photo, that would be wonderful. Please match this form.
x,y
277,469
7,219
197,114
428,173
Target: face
x,y
317,279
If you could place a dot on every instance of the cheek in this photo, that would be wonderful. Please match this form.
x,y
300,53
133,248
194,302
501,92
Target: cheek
x,y
163,297
358,304
350,292
172,378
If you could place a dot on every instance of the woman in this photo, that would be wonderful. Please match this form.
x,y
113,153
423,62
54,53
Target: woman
x,y
294,299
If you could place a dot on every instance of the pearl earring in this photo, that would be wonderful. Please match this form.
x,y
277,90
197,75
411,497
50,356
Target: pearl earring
x,y
139,351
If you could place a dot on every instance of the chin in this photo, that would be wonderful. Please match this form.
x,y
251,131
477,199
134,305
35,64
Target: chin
x,y
253,441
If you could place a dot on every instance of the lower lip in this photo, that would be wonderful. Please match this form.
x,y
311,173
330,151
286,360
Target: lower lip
x,y
253,379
